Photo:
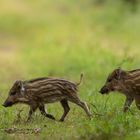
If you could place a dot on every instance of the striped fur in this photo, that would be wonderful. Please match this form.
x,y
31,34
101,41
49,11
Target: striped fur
x,y
49,90
126,82
38,92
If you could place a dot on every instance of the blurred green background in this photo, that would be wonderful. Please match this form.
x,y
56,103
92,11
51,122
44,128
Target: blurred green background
x,y
64,38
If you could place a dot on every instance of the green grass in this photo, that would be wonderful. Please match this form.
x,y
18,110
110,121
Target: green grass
x,y
64,39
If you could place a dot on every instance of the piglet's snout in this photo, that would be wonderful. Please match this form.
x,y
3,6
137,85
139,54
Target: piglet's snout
x,y
104,90
7,104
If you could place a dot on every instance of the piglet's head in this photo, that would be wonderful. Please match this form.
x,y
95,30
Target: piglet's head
x,y
15,93
113,81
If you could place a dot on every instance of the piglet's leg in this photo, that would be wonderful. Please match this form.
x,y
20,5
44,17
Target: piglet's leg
x,y
66,108
137,100
127,104
43,112
82,104
32,110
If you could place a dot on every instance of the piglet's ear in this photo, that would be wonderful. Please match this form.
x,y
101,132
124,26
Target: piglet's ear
x,y
19,85
119,73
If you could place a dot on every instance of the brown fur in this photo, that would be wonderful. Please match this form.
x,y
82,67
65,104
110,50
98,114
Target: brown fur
x,y
126,82
38,92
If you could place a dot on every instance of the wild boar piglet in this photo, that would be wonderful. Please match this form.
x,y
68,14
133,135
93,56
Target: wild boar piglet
x,y
126,82
38,92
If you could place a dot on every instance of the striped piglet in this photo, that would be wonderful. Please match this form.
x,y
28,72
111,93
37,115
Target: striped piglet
x,y
38,92
126,82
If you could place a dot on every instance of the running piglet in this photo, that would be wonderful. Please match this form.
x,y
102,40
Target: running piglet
x,y
38,92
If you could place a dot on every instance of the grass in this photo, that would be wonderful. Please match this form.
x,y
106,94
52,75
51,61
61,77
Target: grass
x,y
63,39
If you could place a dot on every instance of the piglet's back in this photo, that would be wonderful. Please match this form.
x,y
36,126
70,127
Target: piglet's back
x,y
134,75
133,80
50,86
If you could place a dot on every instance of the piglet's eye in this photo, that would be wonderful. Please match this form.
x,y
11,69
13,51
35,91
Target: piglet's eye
x,y
109,80
13,93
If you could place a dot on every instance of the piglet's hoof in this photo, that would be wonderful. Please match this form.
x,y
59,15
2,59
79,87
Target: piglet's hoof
x,y
61,120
